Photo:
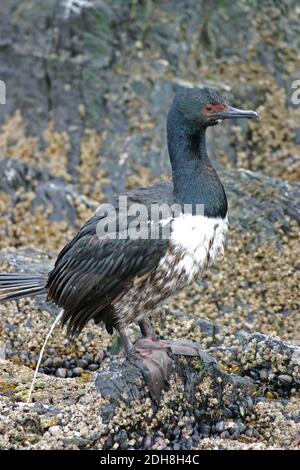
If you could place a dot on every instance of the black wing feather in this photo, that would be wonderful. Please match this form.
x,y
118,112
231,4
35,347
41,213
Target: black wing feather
x,y
91,272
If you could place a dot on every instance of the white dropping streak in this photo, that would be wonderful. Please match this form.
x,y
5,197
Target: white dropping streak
x,y
76,6
59,316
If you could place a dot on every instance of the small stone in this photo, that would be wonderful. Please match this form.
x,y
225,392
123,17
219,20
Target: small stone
x,y
254,374
57,362
205,429
225,435
285,379
93,367
61,372
176,432
187,431
159,443
124,445
263,375
271,376
147,442
87,357
220,426
48,362
82,363
54,430
77,371
75,441
99,357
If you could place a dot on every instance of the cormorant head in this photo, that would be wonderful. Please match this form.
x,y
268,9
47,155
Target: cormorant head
x,y
202,107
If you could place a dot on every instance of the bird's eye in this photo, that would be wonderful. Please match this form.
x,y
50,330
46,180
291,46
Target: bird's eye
x,y
209,107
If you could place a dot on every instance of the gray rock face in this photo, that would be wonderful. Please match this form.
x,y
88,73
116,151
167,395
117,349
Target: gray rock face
x,y
114,67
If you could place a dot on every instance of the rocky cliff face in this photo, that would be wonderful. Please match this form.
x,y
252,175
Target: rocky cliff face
x,y
88,89
111,70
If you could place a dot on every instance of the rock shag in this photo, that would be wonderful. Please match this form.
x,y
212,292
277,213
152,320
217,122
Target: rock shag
x,y
119,279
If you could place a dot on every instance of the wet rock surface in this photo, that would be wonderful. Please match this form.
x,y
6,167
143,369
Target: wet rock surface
x,y
87,122
235,395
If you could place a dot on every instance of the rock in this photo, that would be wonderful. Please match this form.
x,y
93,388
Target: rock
x,y
108,38
87,357
77,371
48,362
263,375
125,383
54,430
61,373
82,363
285,379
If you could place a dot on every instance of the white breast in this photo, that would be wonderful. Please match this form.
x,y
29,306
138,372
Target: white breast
x,y
199,240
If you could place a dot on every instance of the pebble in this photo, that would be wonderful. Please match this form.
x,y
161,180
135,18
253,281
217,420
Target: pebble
x,y
87,357
263,375
58,366
147,441
254,374
225,435
221,426
176,446
99,357
54,430
124,445
205,429
175,433
188,443
82,363
77,371
159,444
285,379
57,362
61,372
48,362
227,413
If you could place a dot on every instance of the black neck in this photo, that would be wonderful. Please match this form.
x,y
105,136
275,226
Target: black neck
x,y
195,181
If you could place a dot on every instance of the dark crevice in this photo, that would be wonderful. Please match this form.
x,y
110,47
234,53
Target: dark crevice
x,y
48,84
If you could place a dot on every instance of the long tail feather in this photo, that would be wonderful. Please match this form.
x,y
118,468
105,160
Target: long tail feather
x,y
15,286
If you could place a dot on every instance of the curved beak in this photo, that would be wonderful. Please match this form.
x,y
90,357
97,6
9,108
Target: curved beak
x,y
234,113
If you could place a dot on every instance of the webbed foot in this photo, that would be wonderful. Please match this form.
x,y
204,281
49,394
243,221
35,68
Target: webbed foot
x,y
154,358
155,364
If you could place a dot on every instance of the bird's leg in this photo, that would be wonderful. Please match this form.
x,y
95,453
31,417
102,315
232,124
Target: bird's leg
x,y
147,329
153,356
156,366
125,340
155,363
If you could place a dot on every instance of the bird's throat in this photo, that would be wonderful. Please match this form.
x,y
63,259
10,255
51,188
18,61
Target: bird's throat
x,y
195,180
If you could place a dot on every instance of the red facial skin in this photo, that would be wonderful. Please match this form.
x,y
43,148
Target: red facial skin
x,y
210,109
